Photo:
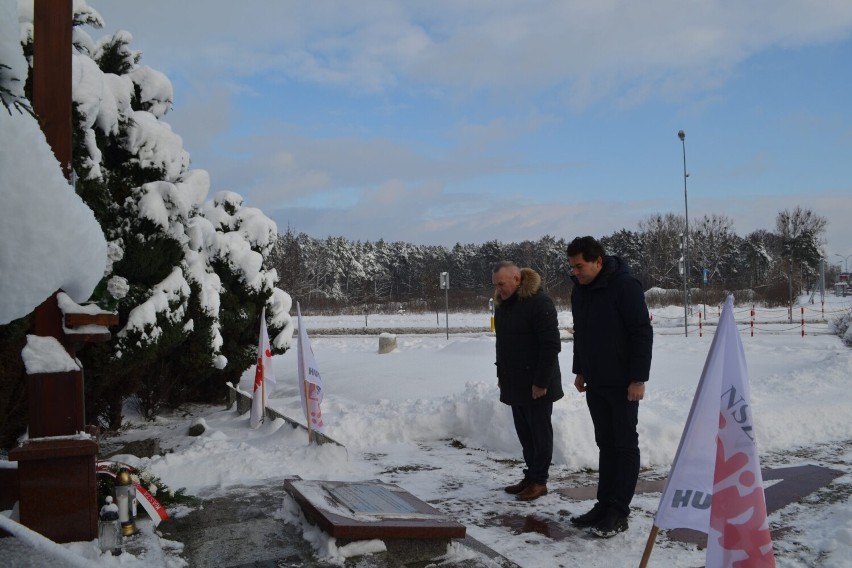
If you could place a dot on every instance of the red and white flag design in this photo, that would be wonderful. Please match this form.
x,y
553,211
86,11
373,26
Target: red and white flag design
x,y
715,485
263,375
310,380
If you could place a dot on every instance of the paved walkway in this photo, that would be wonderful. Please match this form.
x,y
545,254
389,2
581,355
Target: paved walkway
x,y
238,530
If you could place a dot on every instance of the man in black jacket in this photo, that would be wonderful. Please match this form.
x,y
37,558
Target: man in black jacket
x,y
612,361
528,346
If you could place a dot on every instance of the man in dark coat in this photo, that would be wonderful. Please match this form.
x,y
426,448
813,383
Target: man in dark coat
x,y
528,346
612,362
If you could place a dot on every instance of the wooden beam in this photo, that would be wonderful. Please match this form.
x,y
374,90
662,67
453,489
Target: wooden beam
x,y
52,20
78,339
104,319
52,75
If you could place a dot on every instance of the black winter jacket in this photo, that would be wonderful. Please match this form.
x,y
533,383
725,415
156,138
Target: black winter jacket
x,y
528,343
612,330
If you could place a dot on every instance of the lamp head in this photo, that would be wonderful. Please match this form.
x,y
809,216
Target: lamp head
x,y
681,134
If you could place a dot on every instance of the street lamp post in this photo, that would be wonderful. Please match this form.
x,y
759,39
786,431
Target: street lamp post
x,y
682,135
845,261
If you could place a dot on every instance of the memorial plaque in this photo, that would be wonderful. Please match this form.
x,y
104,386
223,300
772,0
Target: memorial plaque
x,y
370,499
370,509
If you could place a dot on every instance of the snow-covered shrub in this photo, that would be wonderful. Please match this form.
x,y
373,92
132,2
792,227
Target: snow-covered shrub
x,y
842,326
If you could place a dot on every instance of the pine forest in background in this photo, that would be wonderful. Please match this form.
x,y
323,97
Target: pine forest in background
x,y
327,275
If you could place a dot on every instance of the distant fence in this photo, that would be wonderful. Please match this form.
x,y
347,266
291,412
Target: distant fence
x,y
396,330
802,320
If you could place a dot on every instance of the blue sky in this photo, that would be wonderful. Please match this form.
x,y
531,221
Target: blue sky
x,y
444,122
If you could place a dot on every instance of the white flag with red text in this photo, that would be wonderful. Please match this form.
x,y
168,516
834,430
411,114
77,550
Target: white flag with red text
x,y
715,485
263,375
310,380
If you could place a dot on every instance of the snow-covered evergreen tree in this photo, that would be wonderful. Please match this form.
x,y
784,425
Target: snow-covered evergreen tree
x,y
188,275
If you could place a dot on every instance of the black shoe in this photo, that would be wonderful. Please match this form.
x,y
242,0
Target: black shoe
x,y
591,518
613,523
518,487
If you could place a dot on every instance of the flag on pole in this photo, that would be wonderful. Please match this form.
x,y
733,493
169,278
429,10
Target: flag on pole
x,y
715,485
263,375
310,380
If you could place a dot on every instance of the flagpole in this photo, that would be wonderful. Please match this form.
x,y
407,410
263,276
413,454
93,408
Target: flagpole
x,y
649,546
308,412
263,378
303,373
263,399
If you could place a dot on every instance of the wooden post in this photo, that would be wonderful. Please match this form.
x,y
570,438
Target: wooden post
x,y
56,477
57,482
263,398
308,413
52,75
649,546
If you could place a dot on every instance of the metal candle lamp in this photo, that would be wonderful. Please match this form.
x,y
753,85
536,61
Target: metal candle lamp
x,y
109,528
125,495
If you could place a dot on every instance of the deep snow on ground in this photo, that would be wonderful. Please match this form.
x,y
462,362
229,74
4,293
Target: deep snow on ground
x,y
427,418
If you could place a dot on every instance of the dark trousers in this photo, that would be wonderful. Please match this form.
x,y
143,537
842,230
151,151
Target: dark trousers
x,y
615,419
535,432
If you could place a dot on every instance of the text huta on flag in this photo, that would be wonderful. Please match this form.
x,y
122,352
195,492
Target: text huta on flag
x,y
310,380
715,485
263,374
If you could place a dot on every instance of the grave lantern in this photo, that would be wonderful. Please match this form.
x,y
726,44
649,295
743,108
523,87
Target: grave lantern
x,y
125,495
109,528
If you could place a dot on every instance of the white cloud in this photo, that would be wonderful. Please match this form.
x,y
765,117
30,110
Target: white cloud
x,y
593,49
497,73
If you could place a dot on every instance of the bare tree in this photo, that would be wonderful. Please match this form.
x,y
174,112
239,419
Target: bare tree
x,y
713,247
662,239
800,231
